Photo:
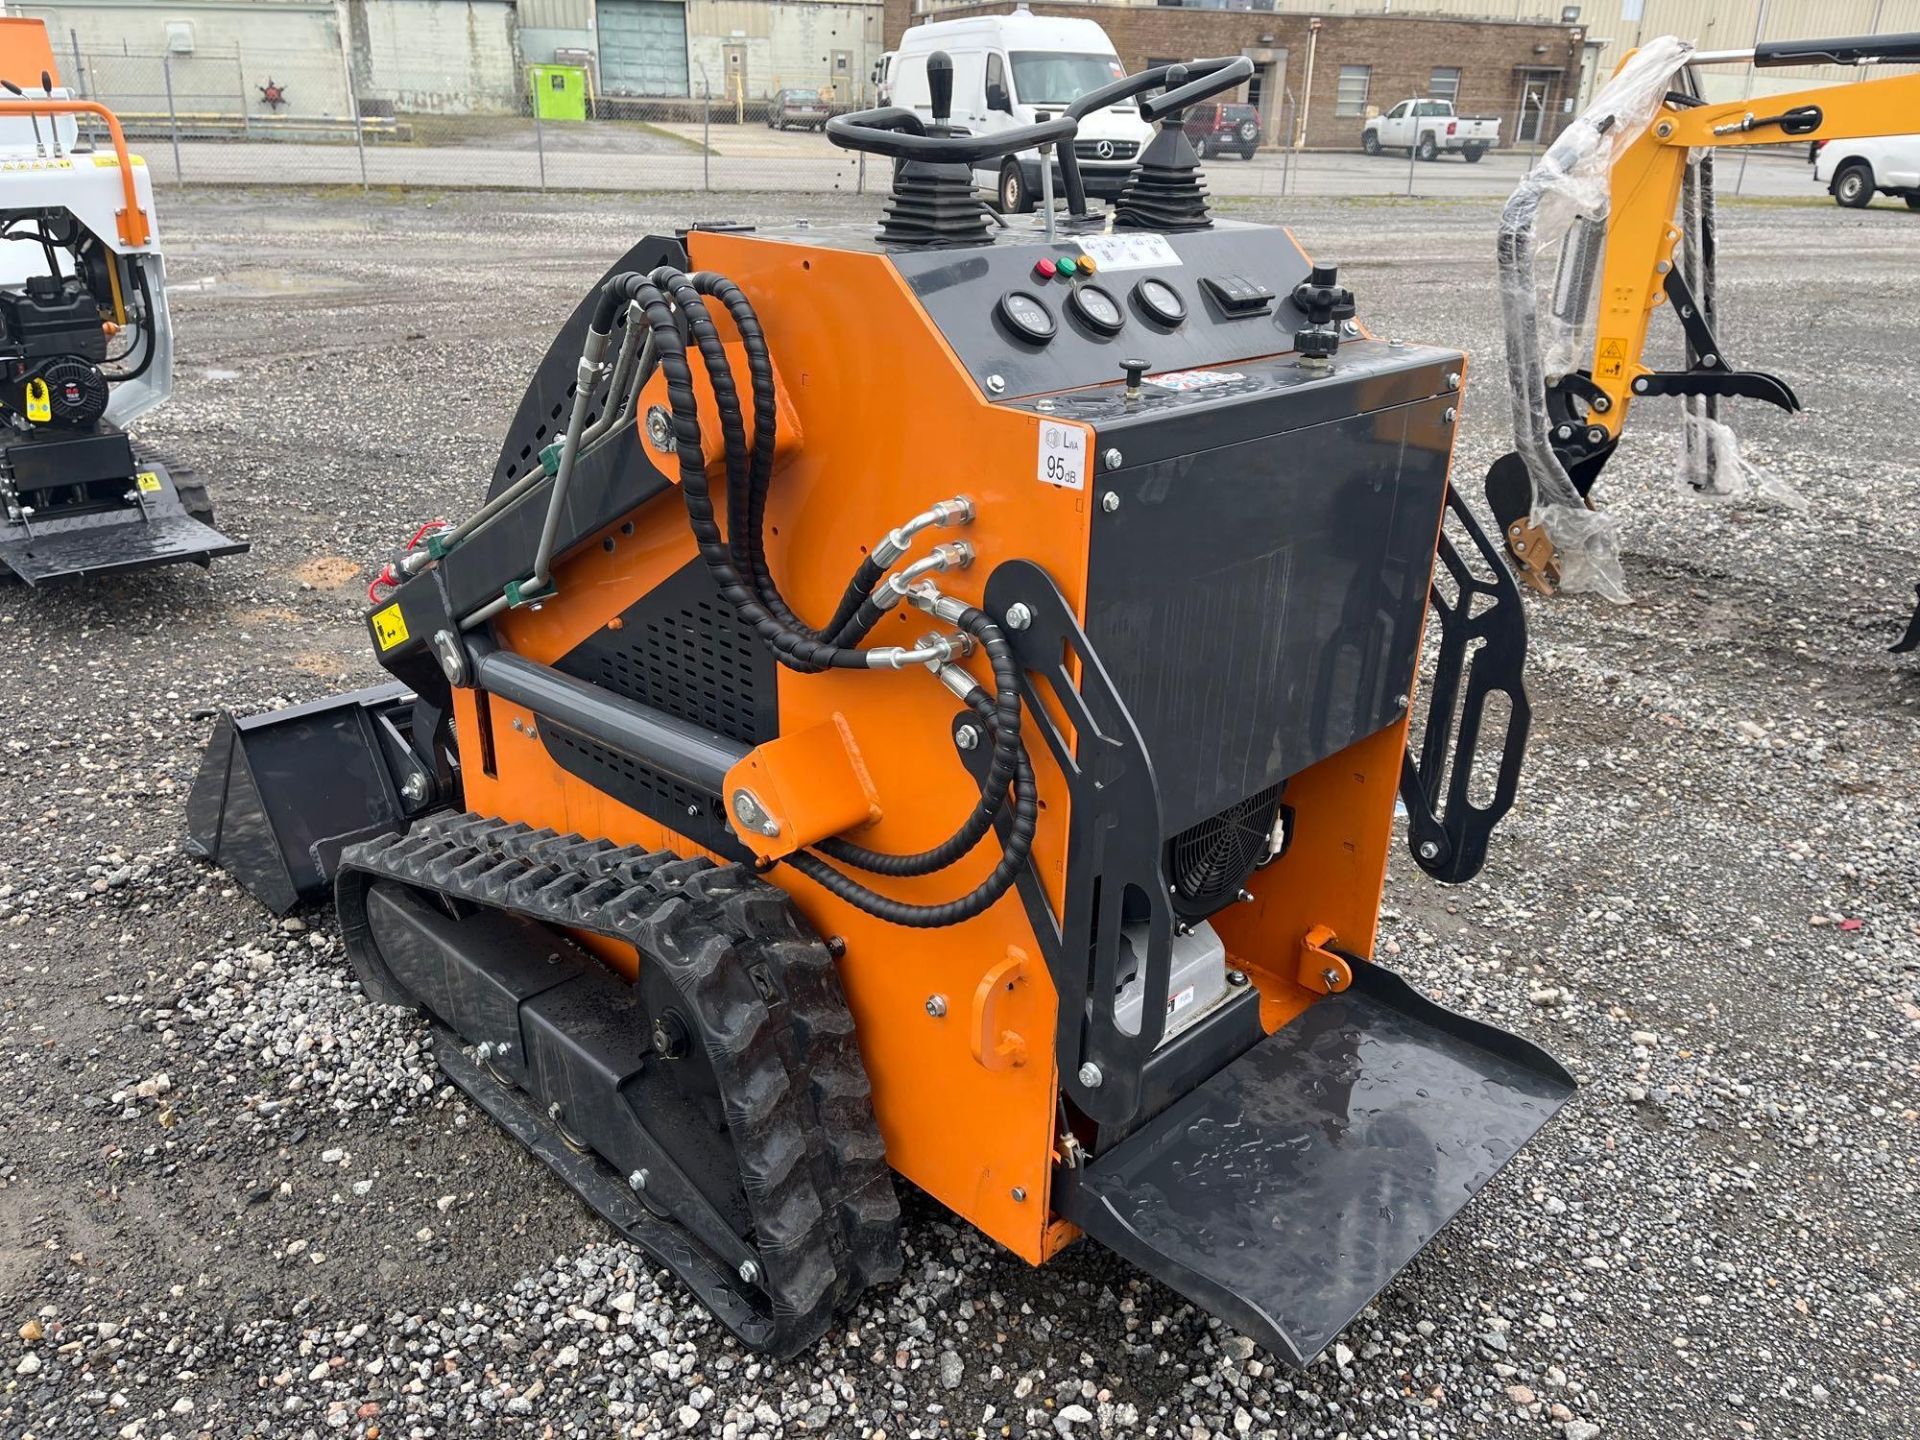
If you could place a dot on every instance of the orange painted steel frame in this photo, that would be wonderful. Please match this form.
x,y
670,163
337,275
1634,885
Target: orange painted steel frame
x,y
967,1099
1644,194
25,54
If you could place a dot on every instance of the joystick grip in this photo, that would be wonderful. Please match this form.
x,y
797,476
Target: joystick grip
x,y
940,85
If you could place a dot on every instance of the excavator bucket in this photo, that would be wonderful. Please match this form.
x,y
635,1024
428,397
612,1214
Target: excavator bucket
x,y
1287,1190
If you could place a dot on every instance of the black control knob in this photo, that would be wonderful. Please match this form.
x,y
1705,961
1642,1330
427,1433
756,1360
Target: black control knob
x,y
940,85
1324,301
1135,370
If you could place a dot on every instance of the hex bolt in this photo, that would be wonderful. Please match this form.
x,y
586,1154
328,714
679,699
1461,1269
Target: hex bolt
x,y
749,1273
1332,977
1565,432
1019,617
1602,404
996,384
637,1181
1111,458
1090,1075
1350,328
967,737
1451,415
1453,379
1403,701
1237,979
936,1005
1020,1194
1429,850
1245,897
415,788
1110,501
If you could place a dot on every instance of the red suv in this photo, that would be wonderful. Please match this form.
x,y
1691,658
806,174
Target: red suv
x,y
1213,128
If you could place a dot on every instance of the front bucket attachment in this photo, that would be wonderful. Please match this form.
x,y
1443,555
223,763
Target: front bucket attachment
x,y
279,794
123,542
1284,1193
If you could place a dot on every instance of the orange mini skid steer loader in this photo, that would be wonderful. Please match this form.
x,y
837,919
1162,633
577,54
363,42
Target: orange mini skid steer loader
x,y
1041,864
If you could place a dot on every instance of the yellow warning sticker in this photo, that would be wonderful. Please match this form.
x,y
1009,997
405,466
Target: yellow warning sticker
x,y
389,627
148,482
39,403
1613,359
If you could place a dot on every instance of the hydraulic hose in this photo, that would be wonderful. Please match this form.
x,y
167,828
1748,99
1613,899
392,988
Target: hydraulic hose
x,y
669,299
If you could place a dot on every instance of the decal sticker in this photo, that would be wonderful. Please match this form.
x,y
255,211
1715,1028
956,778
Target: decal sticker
x,y
1063,455
389,627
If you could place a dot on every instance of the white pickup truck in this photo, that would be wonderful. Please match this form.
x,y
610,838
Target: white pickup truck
x,y
1426,127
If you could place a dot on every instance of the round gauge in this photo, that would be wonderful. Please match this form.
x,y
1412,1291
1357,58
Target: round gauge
x,y
1160,301
1099,309
1030,319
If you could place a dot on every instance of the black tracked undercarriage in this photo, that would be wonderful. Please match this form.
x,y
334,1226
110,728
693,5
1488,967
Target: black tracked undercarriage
x,y
717,1111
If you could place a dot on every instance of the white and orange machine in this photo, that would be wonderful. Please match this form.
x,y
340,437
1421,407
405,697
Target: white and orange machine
x,y
85,342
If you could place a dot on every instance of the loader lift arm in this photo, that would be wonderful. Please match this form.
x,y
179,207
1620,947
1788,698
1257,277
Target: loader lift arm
x,y
1649,259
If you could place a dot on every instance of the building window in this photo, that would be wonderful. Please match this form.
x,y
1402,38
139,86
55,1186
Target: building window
x,y
1443,83
1352,97
1569,14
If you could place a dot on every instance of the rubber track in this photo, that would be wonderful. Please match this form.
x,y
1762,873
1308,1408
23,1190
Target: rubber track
x,y
762,990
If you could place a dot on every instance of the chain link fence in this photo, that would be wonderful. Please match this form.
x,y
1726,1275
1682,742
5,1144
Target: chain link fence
x,y
297,116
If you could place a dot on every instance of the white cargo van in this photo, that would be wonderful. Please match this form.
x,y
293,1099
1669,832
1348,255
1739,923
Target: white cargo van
x,y
1019,69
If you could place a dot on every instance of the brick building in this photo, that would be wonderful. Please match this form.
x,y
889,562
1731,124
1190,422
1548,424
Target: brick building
x,y
1525,72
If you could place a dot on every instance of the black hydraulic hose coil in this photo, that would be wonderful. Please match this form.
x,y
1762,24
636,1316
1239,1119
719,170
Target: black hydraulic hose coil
x,y
670,300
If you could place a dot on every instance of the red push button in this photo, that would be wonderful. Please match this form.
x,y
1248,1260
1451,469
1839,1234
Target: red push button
x,y
1045,269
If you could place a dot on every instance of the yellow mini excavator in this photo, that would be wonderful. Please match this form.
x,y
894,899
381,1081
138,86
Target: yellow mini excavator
x,y
1622,206
935,702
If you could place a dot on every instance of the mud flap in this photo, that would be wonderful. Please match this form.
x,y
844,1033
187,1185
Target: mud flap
x,y
126,541
278,795
1284,1193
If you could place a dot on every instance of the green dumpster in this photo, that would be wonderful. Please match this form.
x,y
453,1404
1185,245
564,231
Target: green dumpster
x,y
559,91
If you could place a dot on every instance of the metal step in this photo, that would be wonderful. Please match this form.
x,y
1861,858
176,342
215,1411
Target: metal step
x,y
1285,1193
121,541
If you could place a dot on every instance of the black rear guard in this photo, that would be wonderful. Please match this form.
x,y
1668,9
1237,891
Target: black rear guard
x,y
1451,812
1284,1193
278,795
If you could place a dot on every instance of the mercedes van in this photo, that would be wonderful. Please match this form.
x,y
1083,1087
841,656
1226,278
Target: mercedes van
x,y
1019,69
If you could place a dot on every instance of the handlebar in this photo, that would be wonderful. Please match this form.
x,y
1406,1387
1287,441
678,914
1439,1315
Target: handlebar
x,y
1202,77
902,135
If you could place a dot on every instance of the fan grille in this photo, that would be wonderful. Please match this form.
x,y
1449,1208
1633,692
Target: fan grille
x,y
1207,863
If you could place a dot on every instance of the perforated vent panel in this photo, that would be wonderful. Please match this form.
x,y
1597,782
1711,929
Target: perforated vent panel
x,y
682,650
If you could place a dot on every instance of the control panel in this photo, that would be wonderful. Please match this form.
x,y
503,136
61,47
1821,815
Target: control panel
x,y
1028,316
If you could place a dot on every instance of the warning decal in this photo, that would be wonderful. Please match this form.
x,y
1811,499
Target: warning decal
x,y
147,481
389,627
1613,359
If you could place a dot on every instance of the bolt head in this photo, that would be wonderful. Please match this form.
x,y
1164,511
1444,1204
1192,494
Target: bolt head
x,y
415,787
1453,379
1019,1194
660,429
967,737
1429,850
1237,979
749,1273
1090,1075
1019,617
1110,502
637,1180
936,1005
996,384
1451,415
1111,458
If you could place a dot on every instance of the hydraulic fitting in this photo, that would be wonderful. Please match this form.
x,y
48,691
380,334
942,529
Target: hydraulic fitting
x,y
929,597
954,555
932,650
957,511
959,681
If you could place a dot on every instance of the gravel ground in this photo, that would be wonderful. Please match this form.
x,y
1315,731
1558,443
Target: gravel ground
x,y
235,1199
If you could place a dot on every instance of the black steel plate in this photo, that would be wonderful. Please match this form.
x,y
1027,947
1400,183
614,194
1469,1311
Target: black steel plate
x,y
1285,1192
128,543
